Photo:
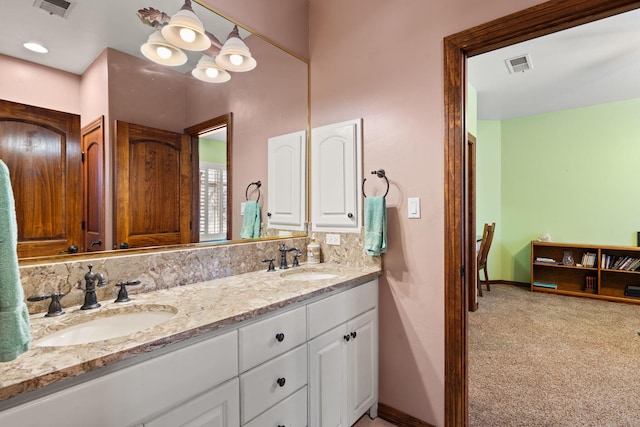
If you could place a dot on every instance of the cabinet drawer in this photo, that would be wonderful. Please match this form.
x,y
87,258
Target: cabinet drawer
x,y
262,341
334,310
259,388
291,412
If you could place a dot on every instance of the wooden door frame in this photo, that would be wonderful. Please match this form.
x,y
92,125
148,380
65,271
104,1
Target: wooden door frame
x,y
539,20
194,132
471,273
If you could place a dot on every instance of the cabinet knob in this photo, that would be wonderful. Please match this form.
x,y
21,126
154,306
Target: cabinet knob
x,y
281,382
280,337
350,215
354,334
269,214
347,338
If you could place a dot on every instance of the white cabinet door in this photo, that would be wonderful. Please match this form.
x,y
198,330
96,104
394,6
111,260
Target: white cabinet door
x,y
328,379
287,183
362,365
219,407
336,174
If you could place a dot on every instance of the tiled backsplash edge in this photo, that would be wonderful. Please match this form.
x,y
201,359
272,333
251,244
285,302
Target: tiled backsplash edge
x,y
166,269
155,270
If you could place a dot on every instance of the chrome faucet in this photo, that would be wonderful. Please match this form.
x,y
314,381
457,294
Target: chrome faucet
x,y
283,256
92,279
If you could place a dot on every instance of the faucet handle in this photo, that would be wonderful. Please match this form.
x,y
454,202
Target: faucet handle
x,y
296,263
55,308
123,295
271,266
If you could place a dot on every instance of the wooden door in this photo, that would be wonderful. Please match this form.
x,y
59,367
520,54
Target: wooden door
x,y
41,148
152,185
93,185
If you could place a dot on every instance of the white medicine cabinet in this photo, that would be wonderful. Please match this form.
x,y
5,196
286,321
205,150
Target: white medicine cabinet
x,y
336,174
286,157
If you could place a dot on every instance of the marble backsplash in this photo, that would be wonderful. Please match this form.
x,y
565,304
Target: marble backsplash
x,y
165,269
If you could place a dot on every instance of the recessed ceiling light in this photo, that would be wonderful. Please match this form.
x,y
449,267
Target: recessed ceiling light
x,y
35,47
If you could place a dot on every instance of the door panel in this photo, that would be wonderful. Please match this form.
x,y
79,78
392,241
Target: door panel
x,y
41,148
327,379
93,178
362,362
153,186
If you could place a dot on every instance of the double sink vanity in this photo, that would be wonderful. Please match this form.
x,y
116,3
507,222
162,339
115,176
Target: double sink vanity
x,y
295,347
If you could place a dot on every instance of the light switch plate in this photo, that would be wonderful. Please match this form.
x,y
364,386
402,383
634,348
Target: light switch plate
x,y
413,207
332,239
242,205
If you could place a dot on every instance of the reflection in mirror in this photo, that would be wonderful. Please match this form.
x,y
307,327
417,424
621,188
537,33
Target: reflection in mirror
x,y
116,83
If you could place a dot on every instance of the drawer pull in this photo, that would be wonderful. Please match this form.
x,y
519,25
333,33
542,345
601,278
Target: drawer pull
x,y
347,338
280,337
281,382
354,334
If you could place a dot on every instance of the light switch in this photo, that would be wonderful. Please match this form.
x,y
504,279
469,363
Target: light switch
x,y
414,207
242,205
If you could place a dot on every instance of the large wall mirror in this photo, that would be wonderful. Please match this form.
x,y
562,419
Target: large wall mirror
x,y
95,70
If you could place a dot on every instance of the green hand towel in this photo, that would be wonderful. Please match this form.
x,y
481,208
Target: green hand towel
x,y
375,225
15,335
251,220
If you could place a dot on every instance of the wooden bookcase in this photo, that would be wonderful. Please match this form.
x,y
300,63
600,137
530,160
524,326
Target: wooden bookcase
x,y
608,283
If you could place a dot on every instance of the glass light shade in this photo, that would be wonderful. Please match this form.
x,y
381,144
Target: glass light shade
x,y
204,71
182,23
232,47
156,49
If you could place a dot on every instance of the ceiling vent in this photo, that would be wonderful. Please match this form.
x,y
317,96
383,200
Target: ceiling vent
x,y
519,64
60,8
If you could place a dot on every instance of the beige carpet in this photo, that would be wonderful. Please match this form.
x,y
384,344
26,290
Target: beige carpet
x,y
548,360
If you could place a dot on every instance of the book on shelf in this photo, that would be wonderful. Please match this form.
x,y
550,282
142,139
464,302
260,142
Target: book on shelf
x,y
545,285
545,260
632,291
588,259
590,284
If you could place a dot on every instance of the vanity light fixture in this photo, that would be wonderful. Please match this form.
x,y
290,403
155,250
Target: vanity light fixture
x,y
235,55
185,30
160,51
209,71
35,47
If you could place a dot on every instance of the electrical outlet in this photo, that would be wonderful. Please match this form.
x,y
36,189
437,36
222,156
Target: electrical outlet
x,y
332,239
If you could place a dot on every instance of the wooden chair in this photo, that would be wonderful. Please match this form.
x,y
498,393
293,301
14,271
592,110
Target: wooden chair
x,y
483,253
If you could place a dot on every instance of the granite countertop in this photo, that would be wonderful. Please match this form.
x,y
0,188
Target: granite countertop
x,y
199,308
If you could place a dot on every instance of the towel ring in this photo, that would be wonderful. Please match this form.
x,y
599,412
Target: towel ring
x,y
381,174
257,184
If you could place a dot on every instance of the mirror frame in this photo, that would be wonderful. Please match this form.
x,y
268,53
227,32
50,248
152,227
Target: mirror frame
x,y
169,248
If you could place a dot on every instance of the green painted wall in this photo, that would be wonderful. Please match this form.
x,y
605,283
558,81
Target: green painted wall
x,y
212,151
471,118
572,174
488,194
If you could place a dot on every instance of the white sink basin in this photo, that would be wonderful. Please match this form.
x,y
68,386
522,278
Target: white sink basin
x,y
308,275
104,328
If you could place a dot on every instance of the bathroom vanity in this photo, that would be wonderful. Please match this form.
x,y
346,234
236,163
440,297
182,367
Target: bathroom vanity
x,y
295,347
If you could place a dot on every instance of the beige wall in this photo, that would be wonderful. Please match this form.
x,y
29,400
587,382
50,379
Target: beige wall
x,y
382,61
31,84
285,22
